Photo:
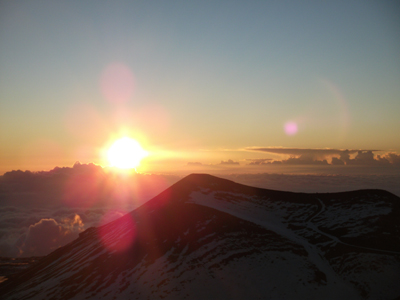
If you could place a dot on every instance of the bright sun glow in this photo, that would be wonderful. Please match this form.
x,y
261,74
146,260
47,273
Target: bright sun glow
x,y
126,153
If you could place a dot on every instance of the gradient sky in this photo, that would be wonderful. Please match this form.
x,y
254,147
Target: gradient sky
x,y
196,81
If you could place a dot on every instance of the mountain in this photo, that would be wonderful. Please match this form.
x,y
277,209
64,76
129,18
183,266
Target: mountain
x,y
211,238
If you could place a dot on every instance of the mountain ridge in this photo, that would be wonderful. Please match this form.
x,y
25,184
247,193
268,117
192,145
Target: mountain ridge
x,y
194,235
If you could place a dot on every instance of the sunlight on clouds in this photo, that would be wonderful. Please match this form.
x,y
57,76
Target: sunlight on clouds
x,y
48,234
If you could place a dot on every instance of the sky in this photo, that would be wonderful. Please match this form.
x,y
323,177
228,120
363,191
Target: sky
x,y
289,95
210,86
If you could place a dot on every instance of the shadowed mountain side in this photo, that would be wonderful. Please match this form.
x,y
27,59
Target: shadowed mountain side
x,y
353,217
191,236
210,238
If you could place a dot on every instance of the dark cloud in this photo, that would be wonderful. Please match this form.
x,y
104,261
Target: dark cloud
x,y
393,158
337,161
368,158
335,156
363,158
259,161
304,160
229,162
345,156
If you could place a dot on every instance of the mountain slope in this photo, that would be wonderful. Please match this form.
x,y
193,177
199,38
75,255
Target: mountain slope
x,y
210,238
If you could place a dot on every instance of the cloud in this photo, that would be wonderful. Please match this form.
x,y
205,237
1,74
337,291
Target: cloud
x,y
74,224
48,235
363,158
194,164
33,203
368,158
229,162
83,185
301,151
393,158
25,232
337,161
304,160
58,204
300,156
258,161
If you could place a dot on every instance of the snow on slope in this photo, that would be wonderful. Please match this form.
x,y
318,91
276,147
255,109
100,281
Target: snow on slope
x,y
335,288
208,238
378,279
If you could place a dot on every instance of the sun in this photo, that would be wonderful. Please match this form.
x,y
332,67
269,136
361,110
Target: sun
x,y
125,153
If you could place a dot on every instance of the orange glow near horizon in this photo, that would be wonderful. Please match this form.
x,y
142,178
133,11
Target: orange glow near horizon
x,y
126,153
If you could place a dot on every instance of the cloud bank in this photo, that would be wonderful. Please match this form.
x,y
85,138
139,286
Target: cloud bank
x,y
28,232
229,162
47,235
259,161
300,156
41,211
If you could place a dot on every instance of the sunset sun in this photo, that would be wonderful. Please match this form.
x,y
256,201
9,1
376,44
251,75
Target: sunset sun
x,y
126,153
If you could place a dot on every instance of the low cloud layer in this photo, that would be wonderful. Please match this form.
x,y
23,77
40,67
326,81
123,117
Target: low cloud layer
x,y
259,161
301,151
41,211
47,235
229,162
329,157
28,232
83,185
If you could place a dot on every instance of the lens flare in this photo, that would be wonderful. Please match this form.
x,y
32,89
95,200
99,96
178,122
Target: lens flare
x,y
291,128
117,236
342,117
117,83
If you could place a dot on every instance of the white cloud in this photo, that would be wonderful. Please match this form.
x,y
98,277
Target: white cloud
x,y
47,235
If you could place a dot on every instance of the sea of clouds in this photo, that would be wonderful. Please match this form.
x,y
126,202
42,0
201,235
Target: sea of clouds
x,y
41,211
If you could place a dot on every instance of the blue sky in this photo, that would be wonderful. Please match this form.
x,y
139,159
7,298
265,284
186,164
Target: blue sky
x,y
207,77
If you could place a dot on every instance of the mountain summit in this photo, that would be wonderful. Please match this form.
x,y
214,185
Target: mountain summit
x,y
210,238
